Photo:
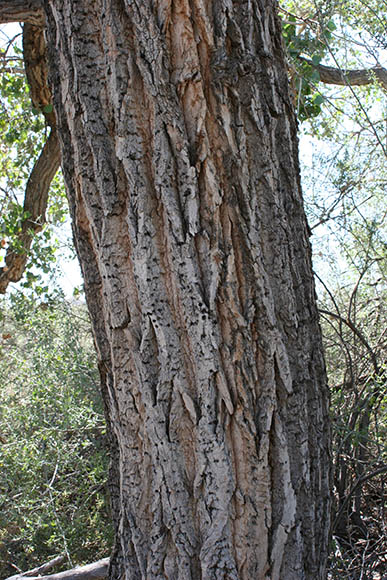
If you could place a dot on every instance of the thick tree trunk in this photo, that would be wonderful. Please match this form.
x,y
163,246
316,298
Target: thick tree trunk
x,y
180,157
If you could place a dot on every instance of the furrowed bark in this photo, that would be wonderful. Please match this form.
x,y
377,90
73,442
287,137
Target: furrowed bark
x,y
180,159
22,11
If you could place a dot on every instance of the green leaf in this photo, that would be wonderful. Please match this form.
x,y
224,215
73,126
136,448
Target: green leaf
x,y
47,109
316,59
315,76
318,99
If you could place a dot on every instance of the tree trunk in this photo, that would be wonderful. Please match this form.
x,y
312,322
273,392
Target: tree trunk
x,y
180,159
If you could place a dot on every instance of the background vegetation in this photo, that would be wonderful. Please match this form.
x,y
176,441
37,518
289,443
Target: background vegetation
x,y
53,455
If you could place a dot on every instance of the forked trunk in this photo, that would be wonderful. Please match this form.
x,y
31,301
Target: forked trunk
x,y
180,158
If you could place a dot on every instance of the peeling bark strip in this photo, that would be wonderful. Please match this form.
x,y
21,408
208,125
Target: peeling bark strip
x,y
180,158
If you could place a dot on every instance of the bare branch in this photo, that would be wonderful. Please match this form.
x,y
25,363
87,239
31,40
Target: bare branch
x,y
336,76
96,571
40,569
359,482
22,11
358,333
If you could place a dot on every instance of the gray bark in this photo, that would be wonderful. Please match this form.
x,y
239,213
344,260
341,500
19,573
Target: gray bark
x,y
179,153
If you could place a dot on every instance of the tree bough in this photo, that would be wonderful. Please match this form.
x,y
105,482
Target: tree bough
x,y
46,166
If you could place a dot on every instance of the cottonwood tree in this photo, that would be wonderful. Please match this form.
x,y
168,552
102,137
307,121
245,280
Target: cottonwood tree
x,y
179,153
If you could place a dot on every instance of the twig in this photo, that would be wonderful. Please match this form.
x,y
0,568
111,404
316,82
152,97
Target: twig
x,y
360,481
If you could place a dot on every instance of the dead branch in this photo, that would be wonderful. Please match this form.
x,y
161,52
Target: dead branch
x,y
348,322
358,483
95,571
40,569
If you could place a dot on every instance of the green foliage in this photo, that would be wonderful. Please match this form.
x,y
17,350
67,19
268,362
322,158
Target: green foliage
x,y
21,133
306,37
53,453
345,34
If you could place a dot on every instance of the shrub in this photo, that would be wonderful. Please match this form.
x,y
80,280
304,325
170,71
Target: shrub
x,y
53,452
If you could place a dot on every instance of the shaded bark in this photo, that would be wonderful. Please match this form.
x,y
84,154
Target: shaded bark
x,y
180,159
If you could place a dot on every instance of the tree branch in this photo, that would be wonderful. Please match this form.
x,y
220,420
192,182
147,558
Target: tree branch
x,y
40,569
96,571
22,11
47,165
336,76
359,481
35,203
34,57
348,322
